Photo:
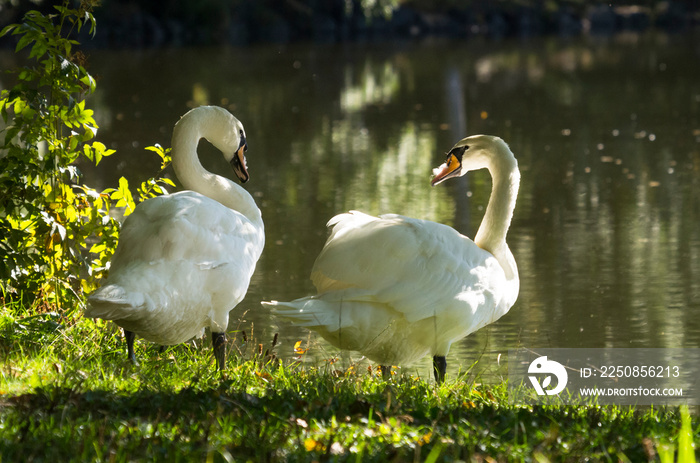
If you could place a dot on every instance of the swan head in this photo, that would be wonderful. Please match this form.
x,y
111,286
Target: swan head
x,y
238,160
471,153
231,141
221,129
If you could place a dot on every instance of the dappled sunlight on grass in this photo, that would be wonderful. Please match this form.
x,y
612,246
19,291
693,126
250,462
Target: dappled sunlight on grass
x,y
78,398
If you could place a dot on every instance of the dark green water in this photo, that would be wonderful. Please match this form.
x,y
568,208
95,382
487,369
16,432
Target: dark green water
x,y
607,134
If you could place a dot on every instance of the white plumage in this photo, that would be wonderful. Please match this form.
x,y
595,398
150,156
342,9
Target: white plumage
x,y
396,288
185,260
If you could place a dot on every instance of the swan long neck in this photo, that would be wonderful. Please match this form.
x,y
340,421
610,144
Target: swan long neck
x,y
193,176
491,235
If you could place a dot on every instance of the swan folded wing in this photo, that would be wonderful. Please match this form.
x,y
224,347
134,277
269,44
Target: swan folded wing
x,y
415,267
187,226
362,251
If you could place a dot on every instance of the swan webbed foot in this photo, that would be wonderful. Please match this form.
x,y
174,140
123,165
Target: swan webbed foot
x,y
130,336
440,367
219,345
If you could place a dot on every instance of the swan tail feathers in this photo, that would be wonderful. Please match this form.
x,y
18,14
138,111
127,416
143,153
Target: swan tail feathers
x,y
311,313
302,312
113,302
330,315
351,325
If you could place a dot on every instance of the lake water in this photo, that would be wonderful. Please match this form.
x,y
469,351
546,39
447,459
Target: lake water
x,y
606,132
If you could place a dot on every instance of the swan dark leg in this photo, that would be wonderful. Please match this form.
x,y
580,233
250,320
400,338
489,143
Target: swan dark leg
x,y
386,371
219,344
130,336
440,367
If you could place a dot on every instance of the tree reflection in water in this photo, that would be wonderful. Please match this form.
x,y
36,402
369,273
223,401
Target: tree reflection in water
x,y
607,134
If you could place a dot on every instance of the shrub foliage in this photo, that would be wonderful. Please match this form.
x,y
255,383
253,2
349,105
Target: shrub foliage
x,y
57,233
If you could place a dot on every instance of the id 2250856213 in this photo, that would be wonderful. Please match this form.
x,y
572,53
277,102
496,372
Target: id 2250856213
x,y
605,376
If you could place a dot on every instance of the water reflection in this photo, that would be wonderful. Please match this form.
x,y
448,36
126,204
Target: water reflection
x,y
607,135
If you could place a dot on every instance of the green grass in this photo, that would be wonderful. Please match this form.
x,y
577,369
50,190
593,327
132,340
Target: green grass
x,y
68,394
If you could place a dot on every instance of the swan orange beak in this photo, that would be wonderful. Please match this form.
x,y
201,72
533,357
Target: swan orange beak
x,y
451,168
239,162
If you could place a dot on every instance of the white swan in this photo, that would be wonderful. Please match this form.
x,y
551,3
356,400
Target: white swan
x,y
395,288
185,260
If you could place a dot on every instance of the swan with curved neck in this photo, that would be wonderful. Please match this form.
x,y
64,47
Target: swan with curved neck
x,y
396,288
493,154
185,260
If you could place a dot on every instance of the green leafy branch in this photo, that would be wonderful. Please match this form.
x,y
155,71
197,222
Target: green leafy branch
x,y
57,233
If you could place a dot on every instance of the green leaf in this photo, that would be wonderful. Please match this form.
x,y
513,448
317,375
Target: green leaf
x,y
38,50
98,248
88,81
7,29
90,132
93,23
98,156
127,199
23,42
89,152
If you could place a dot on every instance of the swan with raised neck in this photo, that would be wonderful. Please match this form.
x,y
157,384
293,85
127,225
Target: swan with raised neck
x,y
492,153
397,288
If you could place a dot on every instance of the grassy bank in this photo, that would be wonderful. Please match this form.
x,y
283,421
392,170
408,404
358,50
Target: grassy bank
x,y
67,394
